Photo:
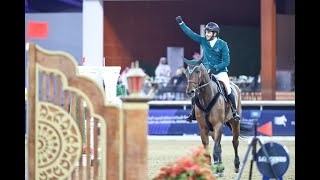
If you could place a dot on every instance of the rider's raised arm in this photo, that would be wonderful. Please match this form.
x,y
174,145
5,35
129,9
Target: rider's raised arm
x,y
194,36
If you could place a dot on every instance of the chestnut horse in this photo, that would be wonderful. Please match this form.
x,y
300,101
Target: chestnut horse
x,y
212,111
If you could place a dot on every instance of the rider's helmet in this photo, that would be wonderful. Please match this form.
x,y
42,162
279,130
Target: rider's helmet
x,y
213,27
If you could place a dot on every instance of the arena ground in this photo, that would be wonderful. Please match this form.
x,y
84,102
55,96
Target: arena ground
x,y
162,150
165,149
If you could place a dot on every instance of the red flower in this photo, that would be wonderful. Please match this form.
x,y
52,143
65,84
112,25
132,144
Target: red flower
x,y
194,166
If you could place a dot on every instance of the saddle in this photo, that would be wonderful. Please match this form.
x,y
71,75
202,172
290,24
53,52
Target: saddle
x,y
221,88
222,91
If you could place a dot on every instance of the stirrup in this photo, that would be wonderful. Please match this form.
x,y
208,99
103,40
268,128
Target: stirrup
x,y
235,116
191,117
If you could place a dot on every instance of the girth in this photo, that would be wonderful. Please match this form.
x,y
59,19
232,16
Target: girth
x,y
207,110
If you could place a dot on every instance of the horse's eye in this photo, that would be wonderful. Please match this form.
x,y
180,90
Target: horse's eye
x,y
197,71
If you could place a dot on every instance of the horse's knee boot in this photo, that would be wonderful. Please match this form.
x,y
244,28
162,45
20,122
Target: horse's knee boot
x,y
236,162
233,107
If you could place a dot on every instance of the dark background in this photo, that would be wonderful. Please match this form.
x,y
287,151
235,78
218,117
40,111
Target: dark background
x,y
142,30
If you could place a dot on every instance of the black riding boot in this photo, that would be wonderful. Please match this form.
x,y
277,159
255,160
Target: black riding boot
x,y
191,115
233,107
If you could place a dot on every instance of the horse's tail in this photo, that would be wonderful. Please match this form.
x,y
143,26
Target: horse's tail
x,y
246,128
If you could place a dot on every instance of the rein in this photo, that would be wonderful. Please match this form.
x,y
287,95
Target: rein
x,y
207,110
200,87
196,98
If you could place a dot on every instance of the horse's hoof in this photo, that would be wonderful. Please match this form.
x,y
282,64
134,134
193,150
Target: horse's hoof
x,y
236,170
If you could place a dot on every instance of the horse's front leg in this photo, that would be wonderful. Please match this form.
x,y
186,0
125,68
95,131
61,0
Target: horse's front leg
x,y
204,137
217,145
218,165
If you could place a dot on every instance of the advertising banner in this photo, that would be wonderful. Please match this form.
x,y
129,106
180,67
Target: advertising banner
x,y
172,122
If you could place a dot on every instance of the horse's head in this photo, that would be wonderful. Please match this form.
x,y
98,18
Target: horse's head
x,y
195,74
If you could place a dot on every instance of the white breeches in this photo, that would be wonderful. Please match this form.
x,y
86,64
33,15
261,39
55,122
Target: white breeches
x,y
223,76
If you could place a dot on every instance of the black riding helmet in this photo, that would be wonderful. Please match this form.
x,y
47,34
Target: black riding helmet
x,y
213,27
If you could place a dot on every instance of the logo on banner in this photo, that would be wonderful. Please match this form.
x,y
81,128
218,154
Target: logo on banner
x,y
278,158
266,129
280,120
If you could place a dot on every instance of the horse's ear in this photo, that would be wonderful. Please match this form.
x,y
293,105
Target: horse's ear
x,y
185,60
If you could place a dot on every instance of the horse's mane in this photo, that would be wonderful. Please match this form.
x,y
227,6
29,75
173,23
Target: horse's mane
x,y
207,78
205,73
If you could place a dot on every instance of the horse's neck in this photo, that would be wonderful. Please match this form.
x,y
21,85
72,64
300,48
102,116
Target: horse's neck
x,y
208,92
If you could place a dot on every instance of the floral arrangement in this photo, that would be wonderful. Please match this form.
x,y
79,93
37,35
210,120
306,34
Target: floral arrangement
x,y
195,166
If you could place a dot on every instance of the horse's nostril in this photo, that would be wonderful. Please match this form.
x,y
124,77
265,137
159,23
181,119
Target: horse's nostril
x,y
191,93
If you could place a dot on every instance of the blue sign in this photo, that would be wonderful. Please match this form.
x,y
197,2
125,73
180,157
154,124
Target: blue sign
x,y
172,121
255,114
278,158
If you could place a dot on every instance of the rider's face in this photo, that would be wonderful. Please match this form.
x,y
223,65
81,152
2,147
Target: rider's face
x,y
209,34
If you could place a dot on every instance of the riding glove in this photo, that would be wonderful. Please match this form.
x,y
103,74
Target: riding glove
x,y
213,69
179,19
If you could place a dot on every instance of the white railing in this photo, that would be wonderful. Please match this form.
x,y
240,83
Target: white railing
x,y
244,103
261,104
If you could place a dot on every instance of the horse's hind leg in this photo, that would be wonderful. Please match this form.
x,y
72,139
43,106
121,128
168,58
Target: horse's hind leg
x,y
235,143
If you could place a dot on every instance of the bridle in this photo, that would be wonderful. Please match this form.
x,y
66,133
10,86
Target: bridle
x,y
199,86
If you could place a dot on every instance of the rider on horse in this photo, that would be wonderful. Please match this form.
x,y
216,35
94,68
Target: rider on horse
x,y
216,59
